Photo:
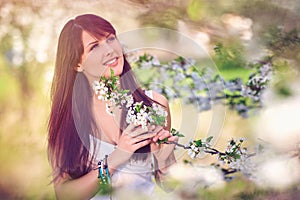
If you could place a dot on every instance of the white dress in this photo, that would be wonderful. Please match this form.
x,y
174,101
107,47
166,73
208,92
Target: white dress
x,y
132,175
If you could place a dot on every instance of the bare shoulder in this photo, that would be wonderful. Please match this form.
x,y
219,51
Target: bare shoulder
x,y
160,98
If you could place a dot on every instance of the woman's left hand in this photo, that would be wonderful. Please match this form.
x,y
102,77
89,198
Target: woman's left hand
x,y
162,151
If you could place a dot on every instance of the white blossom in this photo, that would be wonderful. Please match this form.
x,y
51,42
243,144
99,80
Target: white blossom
x,y
155,61
199,176
195,151
140,117
100,90
159,110
278,172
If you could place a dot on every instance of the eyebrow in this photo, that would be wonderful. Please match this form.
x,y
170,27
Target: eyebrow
x,y
91,43
97,40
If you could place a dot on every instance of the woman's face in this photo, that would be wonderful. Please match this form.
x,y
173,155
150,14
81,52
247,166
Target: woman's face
x,y
100,56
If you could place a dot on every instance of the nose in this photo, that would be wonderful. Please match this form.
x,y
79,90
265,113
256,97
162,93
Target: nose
x,y
108,49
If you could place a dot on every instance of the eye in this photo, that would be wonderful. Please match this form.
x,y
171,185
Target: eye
x,y
111,39
94,46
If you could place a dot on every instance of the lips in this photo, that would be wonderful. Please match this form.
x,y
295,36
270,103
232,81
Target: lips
x,y
112,62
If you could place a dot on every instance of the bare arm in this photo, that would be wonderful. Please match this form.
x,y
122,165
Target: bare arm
x,y
84,187
87,186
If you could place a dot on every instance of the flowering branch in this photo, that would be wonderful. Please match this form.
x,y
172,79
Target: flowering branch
x,y
107,89
234,159
180,78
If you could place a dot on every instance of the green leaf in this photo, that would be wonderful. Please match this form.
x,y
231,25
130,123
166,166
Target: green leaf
x,y
158,120
179,135
124,91
138,107
232,142
198,143
208,140
161,120
179,59
162,141
236,156
186,161
176,133
112,73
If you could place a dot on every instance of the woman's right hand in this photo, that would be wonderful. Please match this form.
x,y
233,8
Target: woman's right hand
x,y
135,137
132,138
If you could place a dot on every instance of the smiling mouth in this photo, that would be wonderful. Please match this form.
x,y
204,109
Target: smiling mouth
x,y
112,62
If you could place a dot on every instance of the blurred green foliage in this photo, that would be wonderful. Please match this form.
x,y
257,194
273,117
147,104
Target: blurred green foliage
x,y
283,43
231,57
195,10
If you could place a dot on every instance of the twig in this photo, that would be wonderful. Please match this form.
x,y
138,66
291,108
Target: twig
x,y
206,150
178,144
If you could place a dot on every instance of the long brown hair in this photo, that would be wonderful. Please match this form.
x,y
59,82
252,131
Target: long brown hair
x,y
68,141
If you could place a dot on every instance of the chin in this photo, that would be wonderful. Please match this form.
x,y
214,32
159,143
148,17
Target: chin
x,y
117,71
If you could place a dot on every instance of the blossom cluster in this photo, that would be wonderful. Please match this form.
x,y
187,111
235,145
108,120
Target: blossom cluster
x,y
107,89
257,82
238,158
101,90
197,147
140,118
235,157
140,114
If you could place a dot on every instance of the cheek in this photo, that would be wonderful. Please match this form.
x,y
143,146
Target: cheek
x,y
118,48
93,62
121,61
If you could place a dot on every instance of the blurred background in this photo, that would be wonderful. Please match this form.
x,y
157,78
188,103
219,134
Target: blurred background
x,y
248,30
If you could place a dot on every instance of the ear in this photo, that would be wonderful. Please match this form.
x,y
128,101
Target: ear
x,y
79,68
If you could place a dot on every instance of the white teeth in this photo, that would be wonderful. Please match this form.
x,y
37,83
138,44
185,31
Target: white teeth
x,y
111,61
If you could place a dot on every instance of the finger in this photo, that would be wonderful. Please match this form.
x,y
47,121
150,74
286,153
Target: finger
x,y
161,135
164,134
173,139
158,129
146,136
141,138
138,131
159,132
130,128
154,128
151,127
142,144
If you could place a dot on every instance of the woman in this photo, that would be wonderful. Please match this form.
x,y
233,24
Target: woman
x,y
81,132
